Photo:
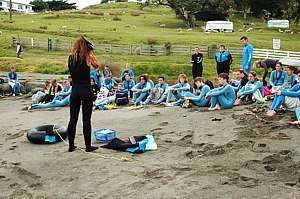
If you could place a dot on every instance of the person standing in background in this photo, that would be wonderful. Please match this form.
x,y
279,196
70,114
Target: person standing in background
x,y
224,60
128,71
247,55
197,59
19,50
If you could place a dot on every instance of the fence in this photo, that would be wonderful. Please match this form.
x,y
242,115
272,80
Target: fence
x,y
152,50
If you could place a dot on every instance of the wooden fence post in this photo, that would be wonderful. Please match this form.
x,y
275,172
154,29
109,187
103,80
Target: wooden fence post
x,y
32,42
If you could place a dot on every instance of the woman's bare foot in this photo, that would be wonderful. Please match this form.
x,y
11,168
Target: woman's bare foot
x,y
295,123
237,102
271,113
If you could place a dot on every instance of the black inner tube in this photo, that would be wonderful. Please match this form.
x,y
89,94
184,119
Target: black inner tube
x,y
38,134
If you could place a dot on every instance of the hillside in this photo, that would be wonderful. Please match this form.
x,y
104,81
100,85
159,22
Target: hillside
x,y
126,24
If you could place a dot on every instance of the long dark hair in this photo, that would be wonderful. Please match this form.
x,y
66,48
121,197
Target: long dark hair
x,y
84,49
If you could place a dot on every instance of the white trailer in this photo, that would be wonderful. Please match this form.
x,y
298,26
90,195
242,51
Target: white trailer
x,y
219,26
279,24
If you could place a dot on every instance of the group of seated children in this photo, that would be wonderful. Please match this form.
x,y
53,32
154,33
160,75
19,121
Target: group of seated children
x,y
54,95
283,87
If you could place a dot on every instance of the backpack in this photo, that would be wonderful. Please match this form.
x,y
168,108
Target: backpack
x,y
122,97
210,84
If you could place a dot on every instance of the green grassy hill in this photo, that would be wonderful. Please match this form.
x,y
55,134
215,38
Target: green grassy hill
x,y
126,24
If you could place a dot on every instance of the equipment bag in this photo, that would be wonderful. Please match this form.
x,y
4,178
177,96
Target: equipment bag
x,y
122,97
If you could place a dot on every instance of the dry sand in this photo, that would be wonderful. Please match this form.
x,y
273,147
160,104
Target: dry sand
x,y
236,157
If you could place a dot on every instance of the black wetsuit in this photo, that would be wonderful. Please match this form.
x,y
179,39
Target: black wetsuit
x,y
267,64
197,69
81,95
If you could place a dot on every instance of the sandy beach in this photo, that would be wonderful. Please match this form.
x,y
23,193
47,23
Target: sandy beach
x,y
225,154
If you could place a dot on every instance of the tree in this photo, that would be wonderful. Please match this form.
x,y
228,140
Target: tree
x,y
56,5
293,10
187,9
104,1
244,6
275,8
39,5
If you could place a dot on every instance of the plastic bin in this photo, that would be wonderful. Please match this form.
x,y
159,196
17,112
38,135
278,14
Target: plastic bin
x,y
105,135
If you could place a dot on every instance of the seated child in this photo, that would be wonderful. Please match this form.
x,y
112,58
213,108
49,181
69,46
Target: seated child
x,y
158,92
251,92
13,81
222,97
141,90
178,91
199,100
287,97
128,84
109,83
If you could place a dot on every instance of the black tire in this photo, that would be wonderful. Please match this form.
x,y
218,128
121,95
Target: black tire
x,y
37,135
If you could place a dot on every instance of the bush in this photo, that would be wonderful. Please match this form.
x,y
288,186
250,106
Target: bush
x,y
115,13
135,14
98,13
116,18
152,41
43,27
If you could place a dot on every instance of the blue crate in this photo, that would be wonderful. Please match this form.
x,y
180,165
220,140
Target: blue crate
x,y
105,135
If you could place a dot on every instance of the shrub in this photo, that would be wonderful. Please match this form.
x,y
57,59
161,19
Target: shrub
x,y
135,14
98,13
152,41
115,13
116,18
43,27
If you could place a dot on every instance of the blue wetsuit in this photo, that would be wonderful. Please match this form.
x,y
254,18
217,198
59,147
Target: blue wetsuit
x,y
140,97
129,72
54,103
163,86
224,96
65,92
97,77
199,100
298,113
109,84
128,85
183,88
106,73
251,87
15,86
279,100
247,58
278,79
292,80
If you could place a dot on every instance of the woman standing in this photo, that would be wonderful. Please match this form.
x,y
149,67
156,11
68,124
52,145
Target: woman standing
x,y
197,59
82,58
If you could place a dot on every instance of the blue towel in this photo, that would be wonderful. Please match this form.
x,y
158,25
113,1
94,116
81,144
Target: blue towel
x,y
50,138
